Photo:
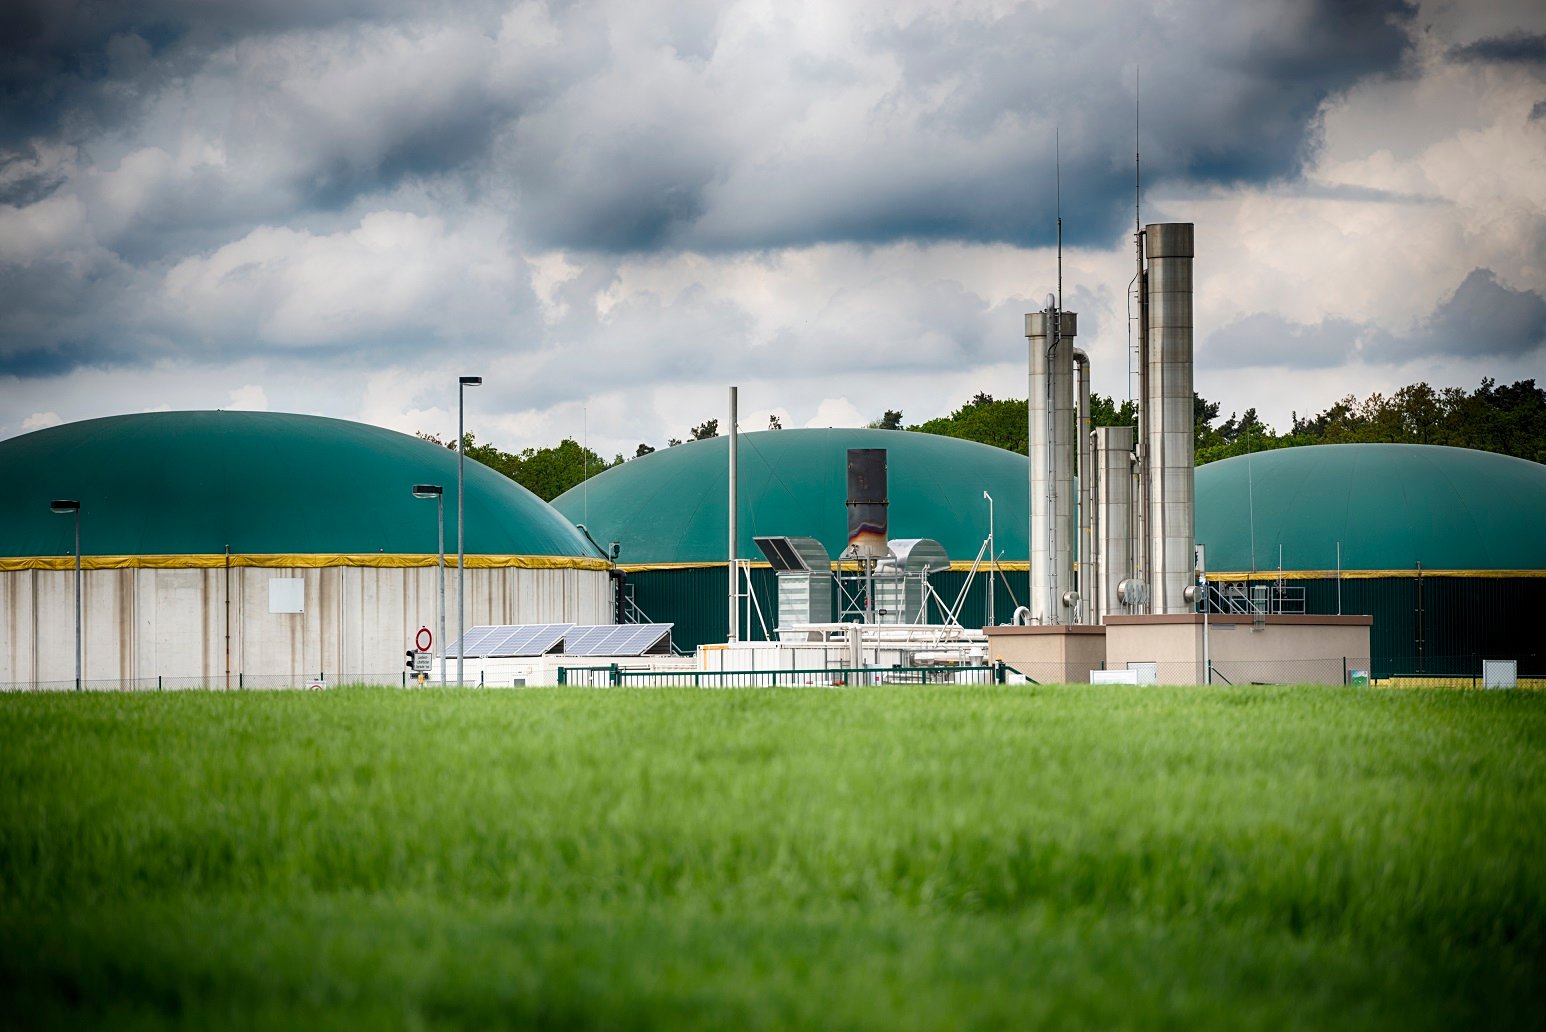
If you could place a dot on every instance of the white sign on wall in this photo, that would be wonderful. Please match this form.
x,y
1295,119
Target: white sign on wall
x,y
286,595
1500,673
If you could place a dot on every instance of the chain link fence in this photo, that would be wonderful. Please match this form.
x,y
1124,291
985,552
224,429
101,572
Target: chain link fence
x,y
1454,672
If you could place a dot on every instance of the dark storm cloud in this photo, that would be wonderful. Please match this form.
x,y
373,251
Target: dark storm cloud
x,y
179,128
1270,340
1481,319
606,151
25,180
59,318
1514,48
962,145
70,67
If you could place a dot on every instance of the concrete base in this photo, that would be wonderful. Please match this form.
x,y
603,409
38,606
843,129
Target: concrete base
x,y
1049,654
1240,649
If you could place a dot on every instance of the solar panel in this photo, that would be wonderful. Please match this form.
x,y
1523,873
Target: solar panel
x,y
501,641
618,640
473,641
531,640
507,640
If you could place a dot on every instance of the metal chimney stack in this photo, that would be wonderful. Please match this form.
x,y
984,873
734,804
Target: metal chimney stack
x,y
1051,438
867,503
1089,572
1169,507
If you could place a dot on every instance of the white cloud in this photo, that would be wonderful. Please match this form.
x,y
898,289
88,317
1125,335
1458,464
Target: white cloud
x,y
836,412
249,398
394,277
41,421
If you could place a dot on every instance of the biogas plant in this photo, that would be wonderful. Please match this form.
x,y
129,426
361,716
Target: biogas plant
x,y
246,550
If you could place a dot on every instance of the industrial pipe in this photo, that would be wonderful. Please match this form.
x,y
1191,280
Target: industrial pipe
x,y
1114,504
1050,334
1087,570
1169,505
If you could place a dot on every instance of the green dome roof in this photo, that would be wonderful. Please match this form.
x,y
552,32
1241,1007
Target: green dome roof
x,y
1390,506
669,506
193,483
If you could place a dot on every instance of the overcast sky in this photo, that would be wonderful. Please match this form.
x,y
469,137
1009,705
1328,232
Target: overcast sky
x,y
614,210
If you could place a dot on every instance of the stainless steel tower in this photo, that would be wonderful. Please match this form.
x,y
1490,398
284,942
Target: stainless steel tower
x,y
1088,571
1114,461
1168,510
1051,438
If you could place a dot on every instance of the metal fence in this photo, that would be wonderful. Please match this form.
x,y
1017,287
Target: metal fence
x,y
219,683
834,677
1466,674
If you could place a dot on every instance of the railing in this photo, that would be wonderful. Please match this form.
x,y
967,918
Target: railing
x,y
827,677
1256,599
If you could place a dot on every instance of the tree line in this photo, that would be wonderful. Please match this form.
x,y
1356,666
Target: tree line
x,y
549,472
1510,419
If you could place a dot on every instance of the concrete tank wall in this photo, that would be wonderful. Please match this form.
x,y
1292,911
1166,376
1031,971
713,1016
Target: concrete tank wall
x,y
142,623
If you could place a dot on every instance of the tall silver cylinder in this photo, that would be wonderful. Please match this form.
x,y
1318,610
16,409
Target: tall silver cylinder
x,y
1114,502
1170,516
1051,441
1086,479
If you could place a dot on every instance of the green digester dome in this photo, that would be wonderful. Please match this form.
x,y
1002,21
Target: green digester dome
x,y
195,483
1390,506
670,506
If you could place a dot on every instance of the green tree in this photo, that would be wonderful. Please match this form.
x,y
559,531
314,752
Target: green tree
x,y
1105,411
985,420
892,420
549,472
545,472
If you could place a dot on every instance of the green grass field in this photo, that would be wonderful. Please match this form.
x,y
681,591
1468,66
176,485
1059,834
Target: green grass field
x,y
862,858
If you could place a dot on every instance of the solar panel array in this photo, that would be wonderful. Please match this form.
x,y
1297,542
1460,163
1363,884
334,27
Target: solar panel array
x,y
502,641
618,640
510,640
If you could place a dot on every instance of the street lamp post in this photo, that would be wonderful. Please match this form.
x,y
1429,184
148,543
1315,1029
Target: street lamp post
x,y
63,505
992,559
462,384
437,492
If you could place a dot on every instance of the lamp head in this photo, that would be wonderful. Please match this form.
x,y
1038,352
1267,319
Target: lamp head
x,y
427,490
65,505
470,381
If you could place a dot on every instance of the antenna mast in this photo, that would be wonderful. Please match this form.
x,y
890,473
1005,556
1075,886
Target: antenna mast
x,y
1142,513
1057,157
